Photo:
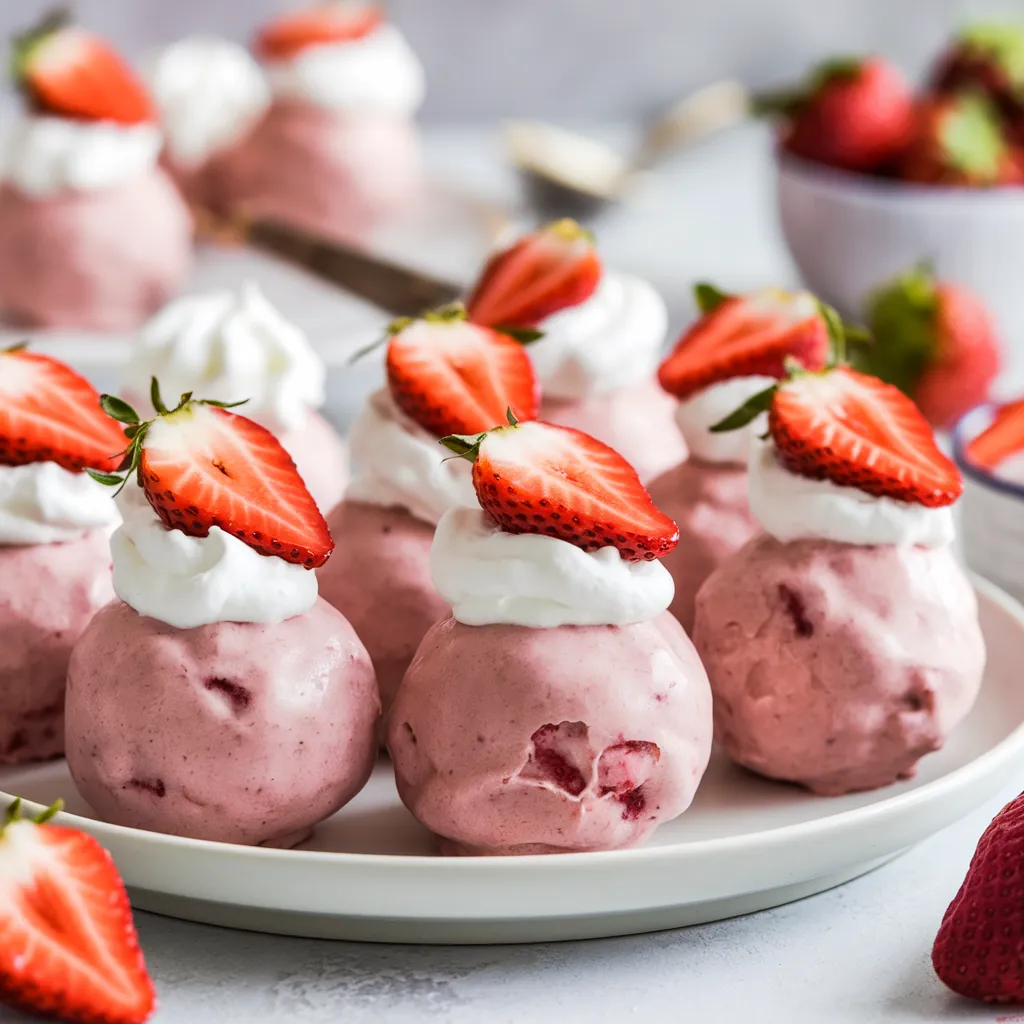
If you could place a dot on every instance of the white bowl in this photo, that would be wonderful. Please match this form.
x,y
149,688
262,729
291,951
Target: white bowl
x,y
848,233
992,513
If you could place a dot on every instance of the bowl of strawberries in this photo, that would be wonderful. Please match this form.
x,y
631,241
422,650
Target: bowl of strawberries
x,y
875,177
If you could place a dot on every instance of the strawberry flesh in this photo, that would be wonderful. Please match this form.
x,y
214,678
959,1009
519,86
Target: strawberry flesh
x,y
857,431
552,269
68,946
1003,437
977,952
454,377
545,479
48,413
202,466
745,337
292,33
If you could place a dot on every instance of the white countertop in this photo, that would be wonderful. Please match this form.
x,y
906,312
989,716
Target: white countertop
x,y
856,955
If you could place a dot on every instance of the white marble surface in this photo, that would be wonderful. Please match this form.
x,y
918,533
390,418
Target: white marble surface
x,y
856,955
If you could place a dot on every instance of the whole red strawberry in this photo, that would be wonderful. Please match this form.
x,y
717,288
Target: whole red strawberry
x,y
935,341
977,952
959,140
853,113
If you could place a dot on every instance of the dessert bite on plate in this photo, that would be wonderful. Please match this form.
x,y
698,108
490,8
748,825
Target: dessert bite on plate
x,y
560,707
594,336
210,93
93,232
444,375
337,152
736,349
220,698
842,644
238,346
54,553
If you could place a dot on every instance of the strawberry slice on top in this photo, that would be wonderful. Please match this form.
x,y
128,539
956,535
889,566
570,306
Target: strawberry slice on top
x,y
67,71
548,270
1002,438
456,377
48,413
747,336
339,22
201,466
68,946
544,479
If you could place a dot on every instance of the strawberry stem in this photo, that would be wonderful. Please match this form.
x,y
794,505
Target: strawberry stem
x,y
708,297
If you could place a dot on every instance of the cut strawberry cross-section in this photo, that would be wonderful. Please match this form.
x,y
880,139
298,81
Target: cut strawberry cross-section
x,y
68,947
455,377
747,336
1003,437
338,22
544,479
67,71
202,466
50,414
551,269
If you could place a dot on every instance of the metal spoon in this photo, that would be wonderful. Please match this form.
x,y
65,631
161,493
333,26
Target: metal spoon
x,y
566,174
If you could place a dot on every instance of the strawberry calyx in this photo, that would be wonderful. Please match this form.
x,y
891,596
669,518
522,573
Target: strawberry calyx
x,y
25,45
467,446
788,103
13,815
135,429
1000,43
971,138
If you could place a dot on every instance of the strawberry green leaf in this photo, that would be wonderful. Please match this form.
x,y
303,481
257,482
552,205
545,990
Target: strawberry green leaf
x,y
118,409
107,479
747,412
972,139
836,333
154,396
464,446
511,417
222,405
18,347
524,335
708,297
379,342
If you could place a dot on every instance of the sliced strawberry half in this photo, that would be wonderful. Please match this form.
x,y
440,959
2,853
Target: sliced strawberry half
x,y
202,466
1003,437
291,33
551,269
858,432
67,71
455,377
68,946
48,413
746,336
540,478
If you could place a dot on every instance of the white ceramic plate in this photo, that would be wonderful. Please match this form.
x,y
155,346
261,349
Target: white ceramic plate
x,y
746,844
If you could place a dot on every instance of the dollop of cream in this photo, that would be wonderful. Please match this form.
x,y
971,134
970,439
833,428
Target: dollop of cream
x,y
399,464
698,413
378,74
49,155
792,507
197,581
229,346
42,503
608,342
210,93
491,577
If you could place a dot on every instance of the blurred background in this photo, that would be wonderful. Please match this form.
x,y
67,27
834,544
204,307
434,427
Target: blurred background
x,y
577,60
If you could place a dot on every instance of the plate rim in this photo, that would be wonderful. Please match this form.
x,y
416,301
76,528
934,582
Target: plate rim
x,y
985,765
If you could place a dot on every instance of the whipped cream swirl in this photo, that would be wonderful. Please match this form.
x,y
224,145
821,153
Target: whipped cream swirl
x,y
197,581
792,507
49,155
378,74
229,346
698,413
399,464
210,92
43,503
608,342
491,577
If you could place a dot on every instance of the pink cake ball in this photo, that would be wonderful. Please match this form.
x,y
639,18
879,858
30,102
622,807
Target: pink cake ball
x,y
329,173
838,667
233,732
379,579
48,594
508,740
708,501
638,421
104,259
321,457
